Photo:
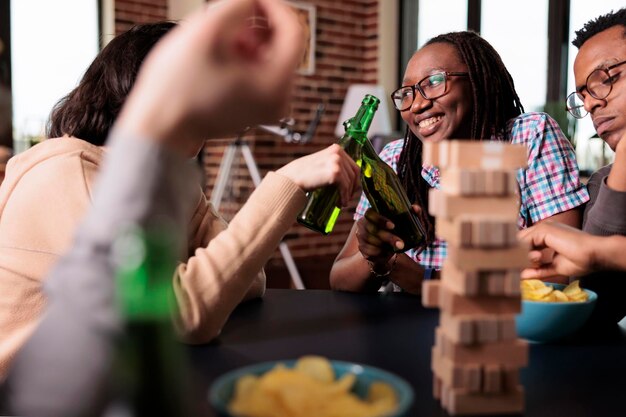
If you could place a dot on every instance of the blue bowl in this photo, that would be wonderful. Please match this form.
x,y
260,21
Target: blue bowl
x,y
222,389
543,322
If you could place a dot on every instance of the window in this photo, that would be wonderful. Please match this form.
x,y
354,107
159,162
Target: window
x,y
522,45
52,43
441,16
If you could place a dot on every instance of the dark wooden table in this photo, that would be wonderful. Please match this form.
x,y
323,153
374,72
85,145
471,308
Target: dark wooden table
x,y
586,376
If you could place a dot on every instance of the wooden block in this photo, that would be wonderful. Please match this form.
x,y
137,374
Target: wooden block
x,y
468,329
473,283
506,328
430,153
476,182
430,293
486,155
477,231
501,183
493,379
449,206
445,395
471,259
459,402
474,377
467,376
487,329
436,387
512,283
461,282
460,329
495,283
453,303
509,353
510,380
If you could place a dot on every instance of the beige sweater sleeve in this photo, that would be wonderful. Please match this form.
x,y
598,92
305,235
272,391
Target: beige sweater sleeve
x,y
213,281
204,226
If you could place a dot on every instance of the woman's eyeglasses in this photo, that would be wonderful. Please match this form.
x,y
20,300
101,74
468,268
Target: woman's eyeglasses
x,y
431,87
598,84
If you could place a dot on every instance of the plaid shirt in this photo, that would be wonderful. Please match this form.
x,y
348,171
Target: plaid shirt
x,y
548,186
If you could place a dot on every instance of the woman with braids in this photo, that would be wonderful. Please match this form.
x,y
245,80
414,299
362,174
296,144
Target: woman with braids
x,y
456,87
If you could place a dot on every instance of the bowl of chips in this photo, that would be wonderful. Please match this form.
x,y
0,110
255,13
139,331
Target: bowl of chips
x,y
552,311
310,386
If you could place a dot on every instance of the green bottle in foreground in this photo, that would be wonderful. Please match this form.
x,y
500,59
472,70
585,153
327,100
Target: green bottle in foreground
x,y
151,369
322,208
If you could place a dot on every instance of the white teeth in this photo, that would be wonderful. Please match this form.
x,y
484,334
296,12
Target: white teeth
x,y
429,121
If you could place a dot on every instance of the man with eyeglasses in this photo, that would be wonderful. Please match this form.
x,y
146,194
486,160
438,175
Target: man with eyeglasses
x,y
600,72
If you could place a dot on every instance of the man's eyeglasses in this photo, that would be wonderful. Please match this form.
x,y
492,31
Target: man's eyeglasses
x,y
598,84
430,87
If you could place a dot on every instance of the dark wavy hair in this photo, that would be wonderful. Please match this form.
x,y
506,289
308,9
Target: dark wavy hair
x,y
495,102
89,111
600,24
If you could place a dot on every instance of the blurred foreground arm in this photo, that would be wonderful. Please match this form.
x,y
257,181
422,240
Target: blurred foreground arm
x,y
576,252
188,90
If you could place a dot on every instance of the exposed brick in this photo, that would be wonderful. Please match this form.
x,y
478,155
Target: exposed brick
x,y
346,53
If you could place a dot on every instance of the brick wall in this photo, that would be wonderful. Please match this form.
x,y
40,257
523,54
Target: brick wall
x,y
130,12
346,52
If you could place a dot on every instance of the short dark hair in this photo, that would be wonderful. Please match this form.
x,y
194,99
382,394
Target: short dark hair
x,y
600,24
89,111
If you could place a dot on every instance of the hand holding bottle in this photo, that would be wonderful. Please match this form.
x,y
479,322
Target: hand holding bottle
x,y
330,166
375,236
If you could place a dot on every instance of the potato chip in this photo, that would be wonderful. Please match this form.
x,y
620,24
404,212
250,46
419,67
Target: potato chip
x,y
317,367
306,391
536,290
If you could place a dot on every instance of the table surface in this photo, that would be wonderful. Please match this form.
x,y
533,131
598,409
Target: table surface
x,y
583,377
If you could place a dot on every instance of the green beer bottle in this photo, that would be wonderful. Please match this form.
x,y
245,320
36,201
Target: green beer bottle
x,y
387,196
151,372
322,208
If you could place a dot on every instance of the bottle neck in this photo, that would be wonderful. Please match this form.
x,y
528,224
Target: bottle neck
x,y
358,126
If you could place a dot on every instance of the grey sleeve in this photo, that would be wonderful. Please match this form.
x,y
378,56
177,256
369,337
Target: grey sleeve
x,y
63,369
605,214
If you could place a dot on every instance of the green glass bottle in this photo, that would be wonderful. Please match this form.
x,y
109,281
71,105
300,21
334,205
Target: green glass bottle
x,y
387,196
322,208
151,370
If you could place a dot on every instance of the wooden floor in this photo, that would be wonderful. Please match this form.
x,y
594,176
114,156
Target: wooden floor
x,y
314,272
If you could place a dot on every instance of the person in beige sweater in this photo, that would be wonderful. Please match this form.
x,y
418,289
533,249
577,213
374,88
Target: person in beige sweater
x,y
48,189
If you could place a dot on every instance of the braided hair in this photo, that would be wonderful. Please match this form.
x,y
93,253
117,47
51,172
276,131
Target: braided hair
x,y
495,102
600,24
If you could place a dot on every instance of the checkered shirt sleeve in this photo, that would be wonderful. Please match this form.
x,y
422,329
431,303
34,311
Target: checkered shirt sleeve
x,y
550,184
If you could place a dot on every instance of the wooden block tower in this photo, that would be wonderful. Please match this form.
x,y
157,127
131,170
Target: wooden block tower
x,y
477,355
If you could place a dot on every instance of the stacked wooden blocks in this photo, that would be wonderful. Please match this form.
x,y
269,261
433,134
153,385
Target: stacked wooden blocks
x,y
477,355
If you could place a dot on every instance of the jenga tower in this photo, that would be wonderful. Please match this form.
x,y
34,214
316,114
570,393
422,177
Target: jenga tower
x,y
477,355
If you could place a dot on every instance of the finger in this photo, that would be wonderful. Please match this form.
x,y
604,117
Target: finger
x,y
353,174
378,220
417,209
534,256
538,273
